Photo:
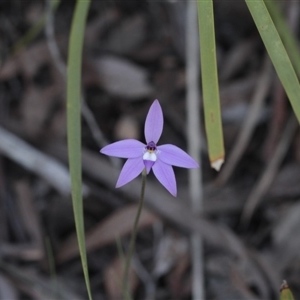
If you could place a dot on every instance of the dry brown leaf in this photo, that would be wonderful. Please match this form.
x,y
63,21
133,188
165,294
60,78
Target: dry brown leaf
x,y
29,215
286,235
116,225
176,279
170,248
58,126
122,78
37,286
238,91
36,107
38,103
113,276
237,58
29,60
286,183
126,128
7,289
227,278
99,25
128,36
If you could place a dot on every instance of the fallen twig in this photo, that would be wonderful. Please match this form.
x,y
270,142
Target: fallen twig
x,y
194,144
270,172
248,126
35,161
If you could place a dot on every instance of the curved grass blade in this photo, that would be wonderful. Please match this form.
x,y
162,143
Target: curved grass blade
x,y
210,87
277,52
74,125
288,39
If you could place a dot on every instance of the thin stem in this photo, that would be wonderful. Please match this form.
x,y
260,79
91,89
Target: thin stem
x,y
125,289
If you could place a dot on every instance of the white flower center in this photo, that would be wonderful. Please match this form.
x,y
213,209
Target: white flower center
x,y
150,155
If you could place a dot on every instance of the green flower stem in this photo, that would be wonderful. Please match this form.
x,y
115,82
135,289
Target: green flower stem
x,y
125,288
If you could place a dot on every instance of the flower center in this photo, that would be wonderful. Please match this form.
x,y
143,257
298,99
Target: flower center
x,y
151,147
150,152
150,156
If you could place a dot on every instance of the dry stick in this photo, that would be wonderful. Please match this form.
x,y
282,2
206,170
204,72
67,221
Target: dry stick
x,y
35,161
61,66
269,173
278,119
29,215
237,57
3,198
146,278
194,144
51,42
35,285
263,85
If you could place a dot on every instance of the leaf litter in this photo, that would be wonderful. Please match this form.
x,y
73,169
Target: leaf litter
x,y
134,54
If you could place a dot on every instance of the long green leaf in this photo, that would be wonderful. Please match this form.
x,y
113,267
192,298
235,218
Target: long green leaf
x,y
210,87
285,292
74,125
290,42
277,52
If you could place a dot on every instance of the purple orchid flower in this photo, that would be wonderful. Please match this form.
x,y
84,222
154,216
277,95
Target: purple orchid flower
x,y
158,158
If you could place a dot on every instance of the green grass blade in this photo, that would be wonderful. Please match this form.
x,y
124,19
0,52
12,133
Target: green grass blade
x,y
74,125
210,87
288,39
285,292
277,52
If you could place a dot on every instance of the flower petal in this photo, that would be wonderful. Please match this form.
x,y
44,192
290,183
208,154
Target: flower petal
x,y
174,156
131,169
148,165
165,175
126,149
154,123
